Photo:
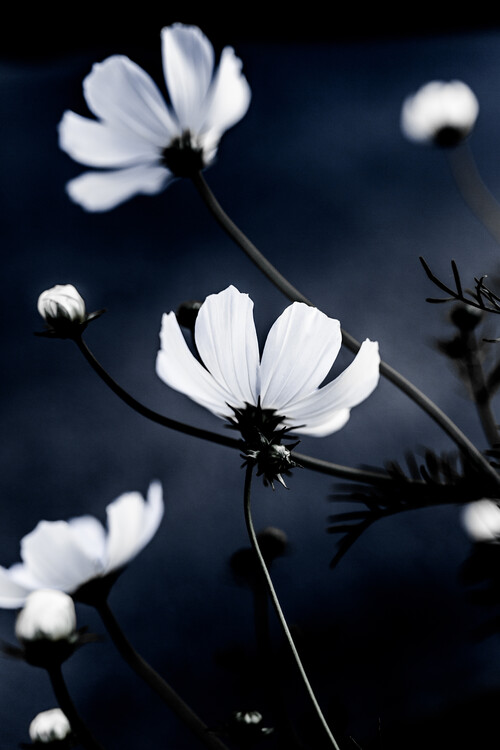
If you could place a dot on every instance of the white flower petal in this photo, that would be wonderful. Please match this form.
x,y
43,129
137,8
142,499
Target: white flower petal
x,y
179,369
229,98
98,144
90,536
122,94
226,340
101,191
132,521
481,520
50,552
300,350
188,62
12,594
321,425
348,390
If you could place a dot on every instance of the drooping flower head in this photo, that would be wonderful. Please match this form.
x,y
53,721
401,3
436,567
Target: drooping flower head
x,y
142,142
264,397
71,555
440,113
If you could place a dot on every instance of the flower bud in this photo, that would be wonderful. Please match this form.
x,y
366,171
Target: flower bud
x,y
481,520
440,113
49,726
62,302
48,615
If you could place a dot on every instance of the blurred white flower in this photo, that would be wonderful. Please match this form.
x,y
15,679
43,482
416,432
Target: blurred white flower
x,y
141,142
301,347
440,113
48,615
62,301
64,555
481,520
49,726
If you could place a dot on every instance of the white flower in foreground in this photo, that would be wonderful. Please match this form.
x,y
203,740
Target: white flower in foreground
x,y
236,384
62,301
65,555
48,615
49,726
481,520
142,142
440,113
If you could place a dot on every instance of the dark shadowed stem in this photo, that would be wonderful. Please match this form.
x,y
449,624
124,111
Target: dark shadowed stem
x,y
425,403
155,681
309,462
275,602
473,190
67,706
480,392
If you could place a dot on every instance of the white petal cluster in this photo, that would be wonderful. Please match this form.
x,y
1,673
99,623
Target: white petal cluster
x,y
49,726
300,350
481,520
437,107
134,125
64,555
62,301
47,614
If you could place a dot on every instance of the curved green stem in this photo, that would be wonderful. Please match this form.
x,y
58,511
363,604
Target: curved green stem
x,y
275,602
155,681
425,403
68,708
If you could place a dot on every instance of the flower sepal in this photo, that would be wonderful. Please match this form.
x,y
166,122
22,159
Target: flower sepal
x,y
63,328
271,460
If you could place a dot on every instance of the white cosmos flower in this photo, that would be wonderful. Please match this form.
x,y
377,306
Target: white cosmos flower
x,y
301,347
49,726
64,555
481,520
440,112
141,141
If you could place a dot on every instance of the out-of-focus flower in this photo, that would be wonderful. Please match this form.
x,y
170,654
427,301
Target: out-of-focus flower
x,y
481,520
49,726
47,615
278,392
141,142
440,113
67,555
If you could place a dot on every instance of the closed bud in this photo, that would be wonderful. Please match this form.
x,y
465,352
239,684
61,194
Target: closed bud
x,y
48,615
49,726
481,520
442,113
62,302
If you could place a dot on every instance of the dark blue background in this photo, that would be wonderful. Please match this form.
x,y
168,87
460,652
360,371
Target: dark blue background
x,y
323,182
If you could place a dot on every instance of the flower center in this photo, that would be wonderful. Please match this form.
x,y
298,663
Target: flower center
x,y
262,436
182,157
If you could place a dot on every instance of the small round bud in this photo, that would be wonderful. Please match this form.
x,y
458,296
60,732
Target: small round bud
x,y
49,726
48,615
187,312
272,543
466,317
440,113
481,520
62,302
248,717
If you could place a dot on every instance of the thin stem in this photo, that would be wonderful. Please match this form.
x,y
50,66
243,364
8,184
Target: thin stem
x,y
314,464
473,190
480,391
425,403
155,681
275,601
68,708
